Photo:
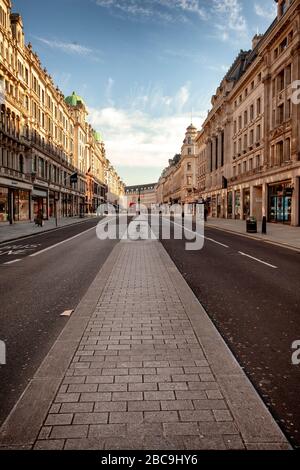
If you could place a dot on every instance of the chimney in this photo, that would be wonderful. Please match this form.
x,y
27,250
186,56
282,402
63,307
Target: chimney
x,y
256,40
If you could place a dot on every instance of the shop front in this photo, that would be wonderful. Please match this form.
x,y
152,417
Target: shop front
x,y
246,203
40,202
237,205
14,205
280,202
229,205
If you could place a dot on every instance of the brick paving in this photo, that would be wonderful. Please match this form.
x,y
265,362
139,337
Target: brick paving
x,y
139,378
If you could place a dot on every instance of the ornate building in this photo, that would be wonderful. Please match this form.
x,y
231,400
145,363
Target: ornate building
x,y
178,182
50,158
249,147
259,172
143,194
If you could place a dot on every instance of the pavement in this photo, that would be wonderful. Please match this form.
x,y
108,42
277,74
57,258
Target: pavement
x,y
250,290
40,278
19,230
140,365
285,235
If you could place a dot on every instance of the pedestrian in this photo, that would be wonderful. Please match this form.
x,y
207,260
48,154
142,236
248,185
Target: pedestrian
x,y
205,212
39,218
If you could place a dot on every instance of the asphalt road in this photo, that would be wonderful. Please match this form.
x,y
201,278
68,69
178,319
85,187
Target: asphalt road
x,y
35,291
251,291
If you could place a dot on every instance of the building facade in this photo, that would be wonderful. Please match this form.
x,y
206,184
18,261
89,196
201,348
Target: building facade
x,y
248,150
50,158
178,183
143,194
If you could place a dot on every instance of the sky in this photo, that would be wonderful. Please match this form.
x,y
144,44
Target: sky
x,y
145,68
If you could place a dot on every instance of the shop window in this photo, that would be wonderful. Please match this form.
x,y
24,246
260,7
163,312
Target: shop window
x,y
4,205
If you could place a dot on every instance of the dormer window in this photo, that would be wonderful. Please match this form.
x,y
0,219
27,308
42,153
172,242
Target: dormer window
x,y
283,7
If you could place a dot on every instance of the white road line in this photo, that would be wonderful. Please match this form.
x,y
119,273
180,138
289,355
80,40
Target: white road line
x,y
258,260
67,313
199,235
65,241
12,262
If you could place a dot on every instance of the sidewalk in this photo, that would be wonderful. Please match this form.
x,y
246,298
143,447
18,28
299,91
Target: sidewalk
x,y
19,230
140,366
279,234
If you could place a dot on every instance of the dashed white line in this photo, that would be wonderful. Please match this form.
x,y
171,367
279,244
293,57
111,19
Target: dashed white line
x,y
12,262
65,241
258,260
199,235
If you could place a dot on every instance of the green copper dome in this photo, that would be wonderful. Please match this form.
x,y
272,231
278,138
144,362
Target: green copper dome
x,y
98,136
74,100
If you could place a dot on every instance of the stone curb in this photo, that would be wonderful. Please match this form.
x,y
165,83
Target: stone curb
x,y
21,428
256,424
251,237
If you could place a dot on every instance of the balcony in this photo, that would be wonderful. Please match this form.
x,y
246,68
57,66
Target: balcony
x,y
15,174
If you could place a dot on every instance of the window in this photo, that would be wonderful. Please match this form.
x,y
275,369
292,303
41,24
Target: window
x,y
245,118
251,164
252,85
279,153
251,112
258,133
288,75
280,81
259,78
234,127
258,161
283,45
288,109
189,167
288,149
258,106
245,141
280,114
240,123
189,151
251,137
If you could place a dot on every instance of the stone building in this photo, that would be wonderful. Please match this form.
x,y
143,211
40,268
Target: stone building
x,y
50,158
145,194
178,183
252,131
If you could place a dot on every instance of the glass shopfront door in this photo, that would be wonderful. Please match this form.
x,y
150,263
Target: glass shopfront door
x,y
280,204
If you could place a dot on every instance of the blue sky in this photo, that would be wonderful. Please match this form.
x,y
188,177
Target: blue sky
x,y
143,67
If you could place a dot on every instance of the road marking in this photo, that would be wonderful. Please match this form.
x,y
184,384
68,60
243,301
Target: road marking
x,y
67,313
199,235
67,240
12,262
258,260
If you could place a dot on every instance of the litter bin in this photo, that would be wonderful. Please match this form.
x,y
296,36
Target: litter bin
x,y
251,224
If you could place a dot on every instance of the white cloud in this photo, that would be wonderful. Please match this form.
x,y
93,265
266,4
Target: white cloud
x,y
69,47
167,10
269,13
137,139
231,11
